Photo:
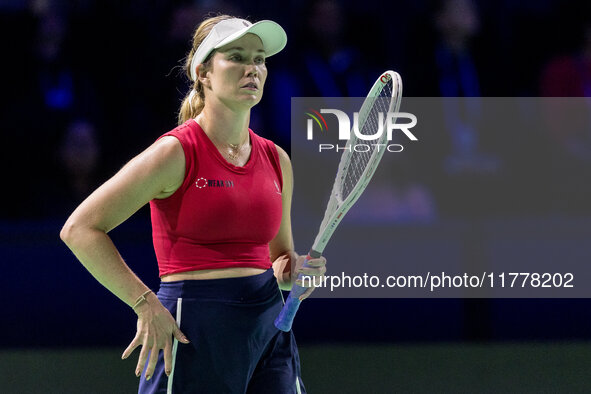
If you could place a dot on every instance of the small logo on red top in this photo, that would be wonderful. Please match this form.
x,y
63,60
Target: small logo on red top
x,y
203,183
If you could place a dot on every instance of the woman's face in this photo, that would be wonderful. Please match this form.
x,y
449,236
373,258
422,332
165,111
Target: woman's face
x,y
237,73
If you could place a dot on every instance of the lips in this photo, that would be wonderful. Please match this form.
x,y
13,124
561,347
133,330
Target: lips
x,y
250,85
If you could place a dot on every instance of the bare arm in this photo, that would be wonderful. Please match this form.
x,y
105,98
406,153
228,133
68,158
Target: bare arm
x,y
155,173
286,262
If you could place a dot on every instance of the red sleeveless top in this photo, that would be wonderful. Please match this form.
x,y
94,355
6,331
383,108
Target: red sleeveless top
x,y
222,215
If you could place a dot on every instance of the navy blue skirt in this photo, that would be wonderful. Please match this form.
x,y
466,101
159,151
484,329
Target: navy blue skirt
x,y
234,346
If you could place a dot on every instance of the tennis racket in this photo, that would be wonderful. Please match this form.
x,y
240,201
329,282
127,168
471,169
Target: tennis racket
x,y
353,175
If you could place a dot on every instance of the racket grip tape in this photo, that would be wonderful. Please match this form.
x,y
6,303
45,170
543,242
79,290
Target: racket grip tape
x,y
287,314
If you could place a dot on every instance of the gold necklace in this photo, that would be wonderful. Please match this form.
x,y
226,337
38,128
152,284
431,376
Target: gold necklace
x,y
235,149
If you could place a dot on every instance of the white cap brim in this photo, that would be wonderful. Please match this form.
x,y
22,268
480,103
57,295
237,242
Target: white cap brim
x,y
271,34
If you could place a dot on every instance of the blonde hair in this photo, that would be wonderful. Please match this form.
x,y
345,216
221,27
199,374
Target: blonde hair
x,y
194,101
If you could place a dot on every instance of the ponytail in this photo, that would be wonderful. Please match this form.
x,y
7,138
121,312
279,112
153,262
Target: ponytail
x,y
192,104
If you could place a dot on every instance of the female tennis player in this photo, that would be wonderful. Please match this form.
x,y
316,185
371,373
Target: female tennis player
x,y
220,199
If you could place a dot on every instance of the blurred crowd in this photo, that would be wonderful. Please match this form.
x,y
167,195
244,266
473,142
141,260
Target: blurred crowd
x,y
89,84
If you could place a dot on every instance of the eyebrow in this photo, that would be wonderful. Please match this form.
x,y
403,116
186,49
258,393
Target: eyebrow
x,y
241,49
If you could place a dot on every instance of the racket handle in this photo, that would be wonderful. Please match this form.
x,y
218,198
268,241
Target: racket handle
x,y
287,314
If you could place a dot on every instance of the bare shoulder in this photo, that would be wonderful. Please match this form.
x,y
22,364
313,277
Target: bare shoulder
x,y
167,148
283,157
167,153
159,169
286,169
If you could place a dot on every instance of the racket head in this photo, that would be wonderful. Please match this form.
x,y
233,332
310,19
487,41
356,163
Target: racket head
x,y
356,168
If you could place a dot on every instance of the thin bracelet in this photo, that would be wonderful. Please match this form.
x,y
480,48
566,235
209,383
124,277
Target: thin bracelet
x,y
141,299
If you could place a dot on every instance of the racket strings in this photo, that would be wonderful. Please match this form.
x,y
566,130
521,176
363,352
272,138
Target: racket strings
x,y
369,123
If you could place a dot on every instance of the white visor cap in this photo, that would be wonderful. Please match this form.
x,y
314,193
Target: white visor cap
x,y
271,34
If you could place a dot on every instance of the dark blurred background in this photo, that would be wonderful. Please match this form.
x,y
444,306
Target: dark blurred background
x,y
88,84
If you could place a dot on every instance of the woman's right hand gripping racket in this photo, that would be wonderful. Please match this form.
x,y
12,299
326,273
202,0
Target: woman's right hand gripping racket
x,y
354,173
